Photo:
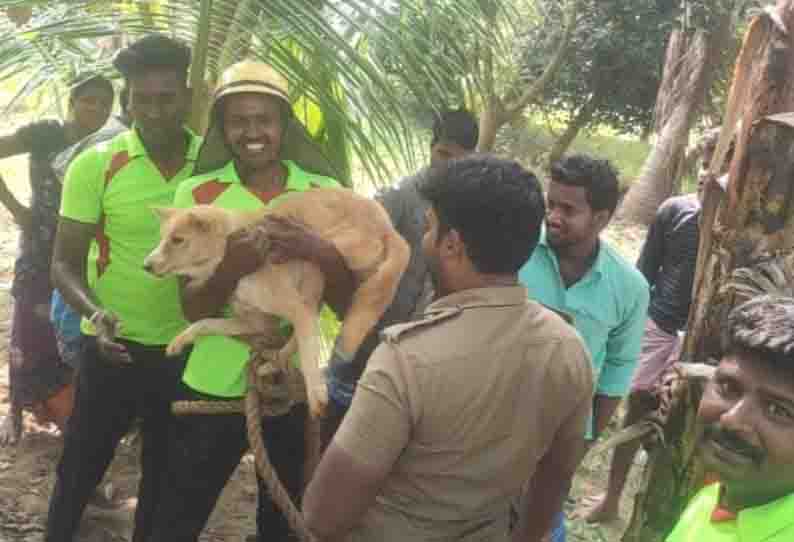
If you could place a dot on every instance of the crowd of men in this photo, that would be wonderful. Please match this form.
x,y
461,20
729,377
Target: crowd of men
x,y
514,334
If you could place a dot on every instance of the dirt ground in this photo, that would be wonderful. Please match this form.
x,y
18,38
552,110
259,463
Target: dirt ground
x,y
27,470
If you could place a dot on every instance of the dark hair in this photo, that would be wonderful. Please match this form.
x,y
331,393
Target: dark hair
x,y
84,81
494,204
153,52
764,326
458,126
597,177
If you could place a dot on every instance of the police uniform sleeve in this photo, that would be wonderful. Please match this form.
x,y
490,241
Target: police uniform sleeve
x,y
579,388
83,188
378,425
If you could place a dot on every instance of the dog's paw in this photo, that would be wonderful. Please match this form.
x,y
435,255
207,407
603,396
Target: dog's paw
x,y
318,401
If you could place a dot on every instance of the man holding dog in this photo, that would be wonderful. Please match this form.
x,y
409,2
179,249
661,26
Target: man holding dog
x,y
106,229
432,448
244,165
746,416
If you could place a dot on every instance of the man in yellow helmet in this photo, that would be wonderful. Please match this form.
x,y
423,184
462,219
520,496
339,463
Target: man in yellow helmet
x,y
244,165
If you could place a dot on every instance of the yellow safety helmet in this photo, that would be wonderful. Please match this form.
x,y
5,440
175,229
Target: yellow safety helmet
x,y
249,76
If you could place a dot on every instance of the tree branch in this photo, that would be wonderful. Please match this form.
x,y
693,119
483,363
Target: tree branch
x,y
537,86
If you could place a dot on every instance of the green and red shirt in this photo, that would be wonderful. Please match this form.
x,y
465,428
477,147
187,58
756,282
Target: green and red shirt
x,y
704,520
216,365
114,185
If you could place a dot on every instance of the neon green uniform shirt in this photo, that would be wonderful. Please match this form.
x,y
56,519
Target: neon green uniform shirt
x,y
772,522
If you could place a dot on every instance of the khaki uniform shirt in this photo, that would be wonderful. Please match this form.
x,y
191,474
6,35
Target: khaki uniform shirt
x,y
463,404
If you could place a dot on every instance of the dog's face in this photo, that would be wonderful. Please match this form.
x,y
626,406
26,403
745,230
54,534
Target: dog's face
x,y
193,242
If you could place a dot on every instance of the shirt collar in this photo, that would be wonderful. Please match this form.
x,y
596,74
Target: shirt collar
x,y
482,297
758,523
135,146
297,181
599,266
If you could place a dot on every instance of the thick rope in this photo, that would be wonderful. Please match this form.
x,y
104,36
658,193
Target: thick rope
x,y
253,415
280,398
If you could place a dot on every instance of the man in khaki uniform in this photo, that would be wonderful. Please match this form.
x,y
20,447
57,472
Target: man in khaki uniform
x,y
457,411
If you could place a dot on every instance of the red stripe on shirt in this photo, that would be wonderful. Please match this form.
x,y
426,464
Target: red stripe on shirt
x,y
117,162
207,193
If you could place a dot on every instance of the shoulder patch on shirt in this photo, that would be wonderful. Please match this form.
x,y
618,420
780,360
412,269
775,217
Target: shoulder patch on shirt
x,y
396,332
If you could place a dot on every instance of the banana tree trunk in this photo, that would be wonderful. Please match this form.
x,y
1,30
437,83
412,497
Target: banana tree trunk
x,y
689,67
747,247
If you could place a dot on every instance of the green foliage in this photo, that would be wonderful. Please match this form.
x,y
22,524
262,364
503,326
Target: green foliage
x,y
615,66
320,46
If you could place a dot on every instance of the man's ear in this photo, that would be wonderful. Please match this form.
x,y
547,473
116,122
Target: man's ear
x,y
601,218
164,213
453,243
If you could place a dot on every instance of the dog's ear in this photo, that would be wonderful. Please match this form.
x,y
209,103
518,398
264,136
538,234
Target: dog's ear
x,y
164,213
201,224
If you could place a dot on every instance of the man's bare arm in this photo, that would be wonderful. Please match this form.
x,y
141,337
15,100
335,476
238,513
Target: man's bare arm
x,y
551,480
68,273
604,408
340,492
72,242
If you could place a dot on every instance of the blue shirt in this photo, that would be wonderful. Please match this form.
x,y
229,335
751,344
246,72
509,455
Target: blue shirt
x,y
608,305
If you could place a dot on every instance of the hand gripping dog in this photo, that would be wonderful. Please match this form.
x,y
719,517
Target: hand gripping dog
x,y
194,242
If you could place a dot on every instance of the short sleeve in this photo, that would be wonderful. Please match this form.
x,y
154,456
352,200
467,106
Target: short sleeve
x,y
624,345
184,195
42,137
83,188
378,425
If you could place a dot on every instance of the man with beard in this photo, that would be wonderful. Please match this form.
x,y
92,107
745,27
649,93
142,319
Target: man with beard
x,y
576,272
457,410
105,230
747,421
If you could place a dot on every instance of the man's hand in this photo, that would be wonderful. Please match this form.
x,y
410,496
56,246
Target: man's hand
x,y
244,255
107,326
291,240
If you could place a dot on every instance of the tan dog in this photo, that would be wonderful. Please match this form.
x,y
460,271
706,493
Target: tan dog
x,y
194,242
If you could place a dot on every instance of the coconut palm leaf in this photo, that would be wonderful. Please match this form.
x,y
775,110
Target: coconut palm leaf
x,y
321,46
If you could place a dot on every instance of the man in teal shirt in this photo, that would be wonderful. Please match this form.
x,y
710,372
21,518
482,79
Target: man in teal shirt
x,y
746,419
575,272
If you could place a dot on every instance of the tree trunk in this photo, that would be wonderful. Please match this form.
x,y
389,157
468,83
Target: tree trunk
x,y
747,248
582,118
689,67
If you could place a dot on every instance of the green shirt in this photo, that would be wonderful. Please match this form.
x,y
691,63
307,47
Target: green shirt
x,y
772,522
216,365
114,185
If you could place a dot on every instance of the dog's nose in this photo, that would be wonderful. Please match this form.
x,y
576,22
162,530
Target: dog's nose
x,y
148,267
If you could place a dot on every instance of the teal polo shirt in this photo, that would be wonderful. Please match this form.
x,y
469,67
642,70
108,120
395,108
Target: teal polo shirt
x,y
608,305
772,522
